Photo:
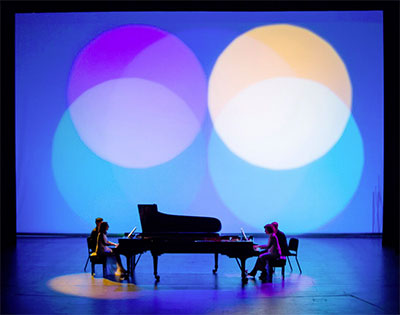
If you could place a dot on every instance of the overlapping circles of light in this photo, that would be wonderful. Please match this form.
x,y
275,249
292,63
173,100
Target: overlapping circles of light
x,y
282,134
279,96
137,96
137,99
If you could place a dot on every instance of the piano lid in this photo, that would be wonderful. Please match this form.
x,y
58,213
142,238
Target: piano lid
x,y
153,221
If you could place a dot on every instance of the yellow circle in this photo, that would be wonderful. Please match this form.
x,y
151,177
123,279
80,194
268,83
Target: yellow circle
x,y
280,50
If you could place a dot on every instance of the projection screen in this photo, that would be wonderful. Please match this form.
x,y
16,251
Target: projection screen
x,y
249,117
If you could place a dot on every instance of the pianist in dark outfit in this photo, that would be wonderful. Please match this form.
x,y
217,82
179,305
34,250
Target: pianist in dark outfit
x,y
282,239
93,235
272,251
103,249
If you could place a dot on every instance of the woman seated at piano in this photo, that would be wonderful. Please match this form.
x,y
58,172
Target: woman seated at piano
x,y
270,252
103,248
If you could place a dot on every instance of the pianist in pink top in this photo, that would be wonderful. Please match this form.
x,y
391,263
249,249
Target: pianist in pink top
x,y
103,248
272,251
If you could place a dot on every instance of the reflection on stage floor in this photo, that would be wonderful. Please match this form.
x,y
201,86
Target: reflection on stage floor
x,y
340,275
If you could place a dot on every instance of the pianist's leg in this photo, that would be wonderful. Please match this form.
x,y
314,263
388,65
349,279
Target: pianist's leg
x,y
264,266
259,265
266,273
120,267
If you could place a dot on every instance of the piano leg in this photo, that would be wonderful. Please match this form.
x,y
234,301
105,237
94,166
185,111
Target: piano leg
x,y
129,264
243,269
242,266
135,261
215,263
133,264
155,266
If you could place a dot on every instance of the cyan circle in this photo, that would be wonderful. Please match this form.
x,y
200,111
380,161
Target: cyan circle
x,y
93,187
301,199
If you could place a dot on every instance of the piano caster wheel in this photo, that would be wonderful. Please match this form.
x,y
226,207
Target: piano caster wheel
x,y
214,271
157,278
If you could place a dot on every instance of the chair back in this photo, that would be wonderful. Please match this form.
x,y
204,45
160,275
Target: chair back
x,y
293,244
90,244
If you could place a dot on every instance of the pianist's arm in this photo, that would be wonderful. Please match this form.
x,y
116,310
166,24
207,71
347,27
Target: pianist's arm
x,y
269,244
109,242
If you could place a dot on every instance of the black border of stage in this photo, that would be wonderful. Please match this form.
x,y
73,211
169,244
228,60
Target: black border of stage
x,y
228,5
390,10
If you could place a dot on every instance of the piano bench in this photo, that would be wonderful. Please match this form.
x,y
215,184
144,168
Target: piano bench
x,y
98,260
279,263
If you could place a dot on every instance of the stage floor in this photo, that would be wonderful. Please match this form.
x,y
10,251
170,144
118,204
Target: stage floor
x,y
340,275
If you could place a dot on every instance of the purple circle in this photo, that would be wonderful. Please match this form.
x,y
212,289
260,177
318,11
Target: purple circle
x,y
162,96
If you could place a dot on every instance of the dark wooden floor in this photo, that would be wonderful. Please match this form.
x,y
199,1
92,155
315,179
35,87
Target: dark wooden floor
x,y
340,275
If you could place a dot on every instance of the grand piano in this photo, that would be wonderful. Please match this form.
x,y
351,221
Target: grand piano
x,y
166,233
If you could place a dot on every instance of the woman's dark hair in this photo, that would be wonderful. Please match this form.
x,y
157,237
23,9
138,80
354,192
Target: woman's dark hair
x,y
269,228
103,227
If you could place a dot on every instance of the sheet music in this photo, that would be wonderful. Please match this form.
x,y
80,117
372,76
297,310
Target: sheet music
x,y
244,234
130,235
